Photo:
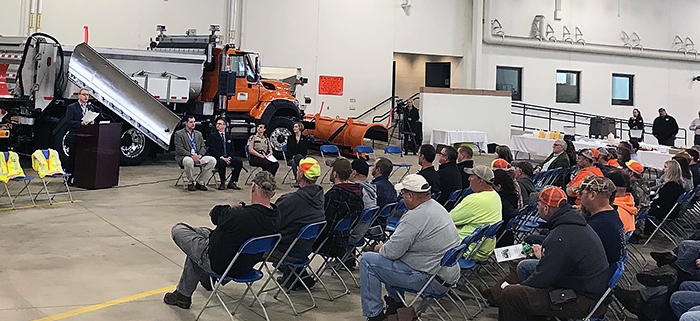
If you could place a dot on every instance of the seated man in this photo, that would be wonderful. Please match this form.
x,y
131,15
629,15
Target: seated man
x,y
385,191
558,158
640,188
212,251
479,208
450,178
343,200
523,174
572,262
595,194
413,252
426,156
221,147
359,173
190,150
464,160
584,161
623,200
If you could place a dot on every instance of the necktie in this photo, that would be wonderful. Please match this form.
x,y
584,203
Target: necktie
x,y
223,140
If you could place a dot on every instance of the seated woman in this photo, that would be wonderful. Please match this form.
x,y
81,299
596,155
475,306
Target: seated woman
x,y
259,151
297,147
667,195
505,187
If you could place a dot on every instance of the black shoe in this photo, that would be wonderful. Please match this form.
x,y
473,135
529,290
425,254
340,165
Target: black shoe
x,y
200,187
630,299
392,305
487,294
663,258
175,298
665,275
380,317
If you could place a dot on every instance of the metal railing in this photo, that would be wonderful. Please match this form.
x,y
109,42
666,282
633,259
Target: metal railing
x,y
571,118
385,115
375,107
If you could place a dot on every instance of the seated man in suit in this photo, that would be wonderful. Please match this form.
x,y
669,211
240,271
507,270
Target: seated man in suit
x,y
74,119
190,150
558,158
220,146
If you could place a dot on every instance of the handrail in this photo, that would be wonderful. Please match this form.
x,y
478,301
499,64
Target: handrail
x,y
374,108
576,118
385,115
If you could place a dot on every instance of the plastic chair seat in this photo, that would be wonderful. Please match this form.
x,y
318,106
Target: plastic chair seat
x,y
359,243
22,178
427,294
58,175
252,276
466,264
297,265
402,165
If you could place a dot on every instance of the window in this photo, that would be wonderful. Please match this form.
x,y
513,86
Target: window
x,y
623,90
568,86
510,79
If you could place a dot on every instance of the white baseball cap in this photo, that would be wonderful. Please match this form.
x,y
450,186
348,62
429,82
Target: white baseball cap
x,y
414,183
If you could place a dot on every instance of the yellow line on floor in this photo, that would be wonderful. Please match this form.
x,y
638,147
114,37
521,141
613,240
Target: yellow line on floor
x,y
106,304
38,205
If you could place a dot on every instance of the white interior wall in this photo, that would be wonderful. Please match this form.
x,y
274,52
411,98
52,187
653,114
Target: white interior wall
x,y
657,83
433,27
410,72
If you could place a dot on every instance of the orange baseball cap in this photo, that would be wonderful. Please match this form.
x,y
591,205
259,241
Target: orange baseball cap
x,y
499,163
552,196
635,166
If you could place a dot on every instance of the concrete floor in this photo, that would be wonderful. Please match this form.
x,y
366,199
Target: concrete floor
x,y
58,261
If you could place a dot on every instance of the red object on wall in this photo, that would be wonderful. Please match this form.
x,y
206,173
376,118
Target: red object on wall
x,y
4,93
330,85
86,33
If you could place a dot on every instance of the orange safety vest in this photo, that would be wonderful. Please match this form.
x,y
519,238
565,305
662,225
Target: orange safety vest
x,y
47,162
9,166
583,173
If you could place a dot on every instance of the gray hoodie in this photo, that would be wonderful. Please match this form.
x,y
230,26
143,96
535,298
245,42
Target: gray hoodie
x,y
369,193
305,206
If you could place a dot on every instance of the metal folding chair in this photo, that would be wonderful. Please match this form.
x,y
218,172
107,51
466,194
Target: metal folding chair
x,y
617,269
286,163
255,245
363,224
44,180
452,199
182,173
328,149
26,180
308,233
341,226
659,227
394,150
367,150
255,168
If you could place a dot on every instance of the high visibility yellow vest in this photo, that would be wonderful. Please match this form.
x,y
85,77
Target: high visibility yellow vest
x,y
47,162
9,166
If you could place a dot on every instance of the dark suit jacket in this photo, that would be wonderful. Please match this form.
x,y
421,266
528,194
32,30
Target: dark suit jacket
x,y
72,119
216,146
561,161
465,177
182,144
294,148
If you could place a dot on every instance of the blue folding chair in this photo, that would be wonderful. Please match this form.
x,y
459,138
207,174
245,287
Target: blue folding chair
x,y
341,226
617,269
367,150
255,168
393,221
452,199
381,219
328,149
308,233
396,150
659,227
448,259
255,245
363,223
465,192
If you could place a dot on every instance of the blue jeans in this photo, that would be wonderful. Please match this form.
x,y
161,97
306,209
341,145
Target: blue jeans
x,y
687,297
376,269
692,315
526,268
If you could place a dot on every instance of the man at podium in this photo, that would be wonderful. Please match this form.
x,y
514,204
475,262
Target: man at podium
x,y
75,113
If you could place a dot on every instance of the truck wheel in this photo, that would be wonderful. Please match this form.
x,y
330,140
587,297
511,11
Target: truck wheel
x,y
279,129
135,147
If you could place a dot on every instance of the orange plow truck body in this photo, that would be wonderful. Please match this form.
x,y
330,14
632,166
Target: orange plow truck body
x,y
353,134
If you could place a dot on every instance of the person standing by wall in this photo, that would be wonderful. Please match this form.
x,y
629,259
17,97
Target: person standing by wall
x,y
665,128
636,125
695,126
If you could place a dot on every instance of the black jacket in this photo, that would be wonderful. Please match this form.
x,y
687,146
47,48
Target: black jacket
x,y
465,177
215,146
297,148
234,226
636,123
665,127
72,119
305,206
608,226
572,257
450,180
695,170
432,177
386,193
341,201
527,188
665,199
562,161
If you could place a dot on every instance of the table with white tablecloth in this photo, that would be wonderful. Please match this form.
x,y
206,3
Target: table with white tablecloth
x,y
451,137
543,147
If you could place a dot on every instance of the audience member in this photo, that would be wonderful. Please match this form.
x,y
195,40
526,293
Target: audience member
x,y
571,152
450,178
478,208
503,151
464,160
260,152
584,161
695,127
504,185
385,191
635,149
595,194
411,254
360,170
572,263
622,156
667,195
665,128
502,164
297,147
557,159
190,151
426,156
523,175
683,160
220,146
640,189
694,166
211,252
623,200
342,200
603,159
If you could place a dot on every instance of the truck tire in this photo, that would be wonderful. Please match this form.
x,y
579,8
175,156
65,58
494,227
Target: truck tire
x,y
135,147
278,130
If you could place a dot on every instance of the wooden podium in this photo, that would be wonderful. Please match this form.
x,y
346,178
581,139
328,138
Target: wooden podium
x,y
97,156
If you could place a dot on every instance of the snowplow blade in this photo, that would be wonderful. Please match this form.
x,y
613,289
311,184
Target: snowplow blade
x,y
346,132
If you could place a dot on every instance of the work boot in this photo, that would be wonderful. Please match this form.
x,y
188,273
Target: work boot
x,y
380,317
663,258
232,185
191,187
665,275
488,295
392,305
180,300
630,299
201,187
221,187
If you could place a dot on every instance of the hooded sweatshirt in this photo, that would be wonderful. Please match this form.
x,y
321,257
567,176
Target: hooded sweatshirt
x,y
297,209
234,226
341,201
572,257
627,211
369,193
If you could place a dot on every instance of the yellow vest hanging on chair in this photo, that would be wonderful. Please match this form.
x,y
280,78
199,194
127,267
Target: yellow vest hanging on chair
x,y
9,166
46,162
